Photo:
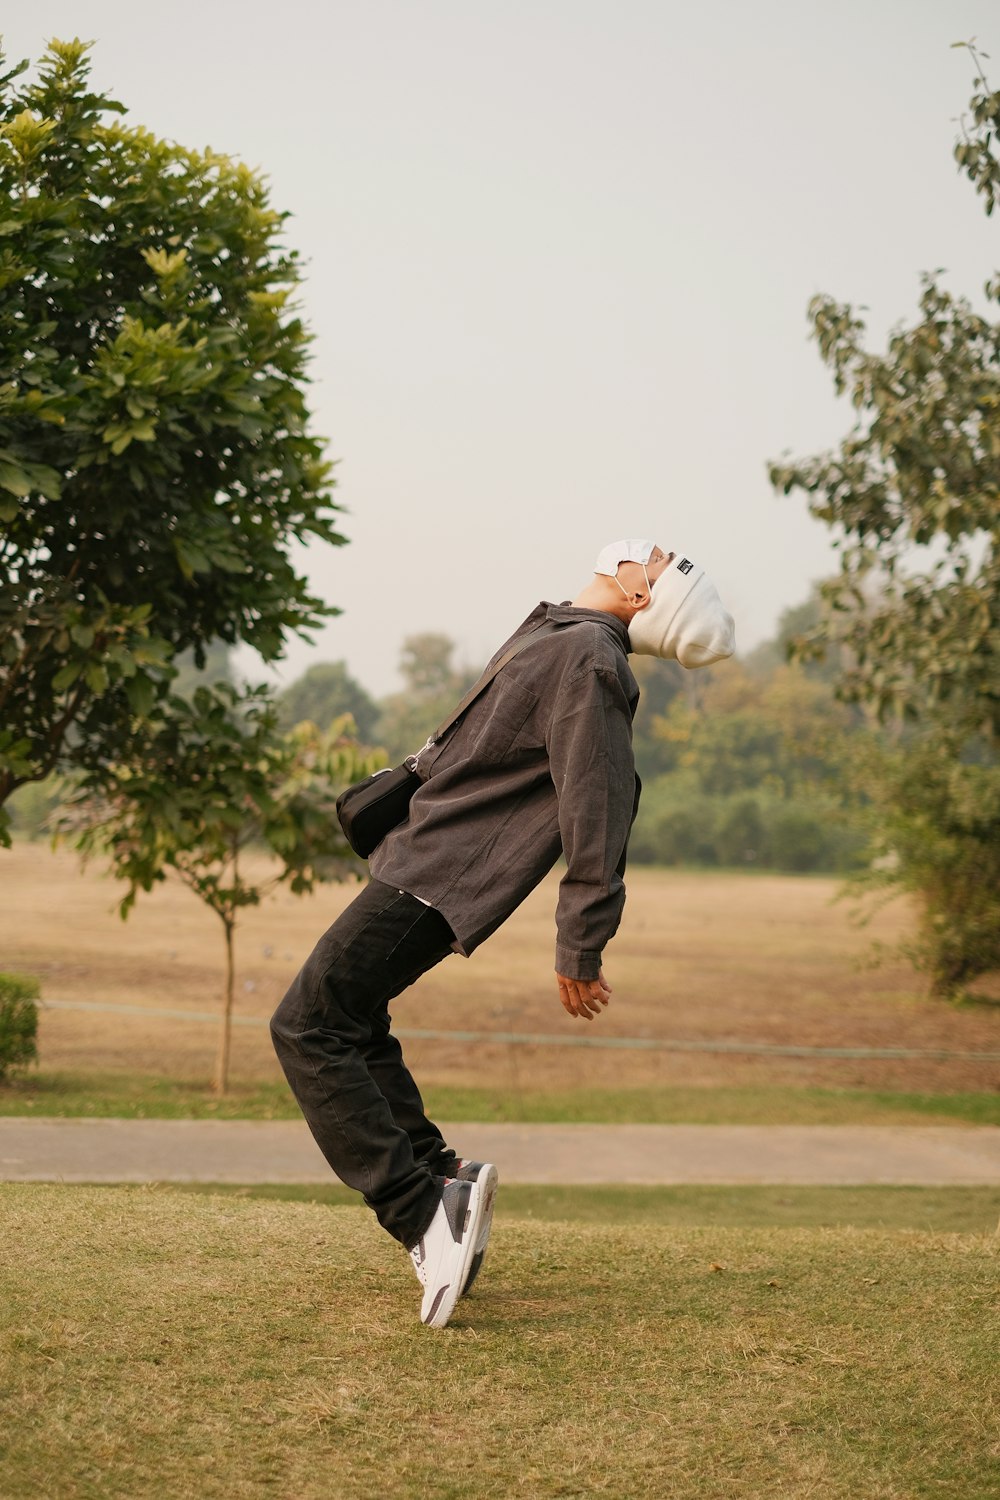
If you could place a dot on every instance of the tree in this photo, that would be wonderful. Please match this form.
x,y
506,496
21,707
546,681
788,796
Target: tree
x,y
425,662
205,783
214,666
783,733
794,623
751,767
914,493
433,688
155,463
326,692
935,813
660,683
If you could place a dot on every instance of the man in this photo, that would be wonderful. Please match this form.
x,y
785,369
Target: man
x,y
540,765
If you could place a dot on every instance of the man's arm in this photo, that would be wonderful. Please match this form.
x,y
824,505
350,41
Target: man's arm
x,y
592,768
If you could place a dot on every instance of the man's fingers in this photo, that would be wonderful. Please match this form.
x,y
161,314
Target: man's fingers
x,y
584,998
572,1002
595,995
567,994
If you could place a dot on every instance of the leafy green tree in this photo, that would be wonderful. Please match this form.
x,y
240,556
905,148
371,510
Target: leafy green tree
x,y
783,733
204,785
33,806
914,493
155,463
757,771
660,683
326,692
740,834
211,665
426,664
433,688
794,624
30,809
680,824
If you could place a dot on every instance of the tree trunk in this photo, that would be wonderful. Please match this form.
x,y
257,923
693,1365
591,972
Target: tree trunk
x,y
221,1079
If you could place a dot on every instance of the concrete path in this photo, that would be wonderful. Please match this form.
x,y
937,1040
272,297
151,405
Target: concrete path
x,y
244,1151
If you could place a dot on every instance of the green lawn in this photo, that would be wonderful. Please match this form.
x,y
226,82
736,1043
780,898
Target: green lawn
x,y
155,1343
956,1209
130,1095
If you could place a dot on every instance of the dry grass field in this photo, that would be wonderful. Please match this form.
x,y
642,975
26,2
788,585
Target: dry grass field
x,y
158,1345
701,956
157,1342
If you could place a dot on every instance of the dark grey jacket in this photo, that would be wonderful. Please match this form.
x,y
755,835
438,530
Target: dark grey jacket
x,y
540,765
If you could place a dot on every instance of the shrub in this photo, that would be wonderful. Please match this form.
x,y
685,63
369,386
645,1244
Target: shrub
x,y
676,825
740,835
18,1021
797,841
937,812
680,825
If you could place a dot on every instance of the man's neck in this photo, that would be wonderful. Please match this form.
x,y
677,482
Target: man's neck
x,y
597,595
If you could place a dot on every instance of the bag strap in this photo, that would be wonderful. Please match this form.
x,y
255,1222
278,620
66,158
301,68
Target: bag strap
x,y
545,628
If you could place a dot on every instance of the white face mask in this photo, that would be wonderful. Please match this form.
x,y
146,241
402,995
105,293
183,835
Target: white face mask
x,y
634,549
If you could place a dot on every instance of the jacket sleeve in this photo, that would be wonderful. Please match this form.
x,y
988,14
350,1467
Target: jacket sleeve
x,y
593,771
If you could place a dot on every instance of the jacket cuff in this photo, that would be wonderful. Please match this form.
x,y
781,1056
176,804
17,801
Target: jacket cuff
x,y
576,965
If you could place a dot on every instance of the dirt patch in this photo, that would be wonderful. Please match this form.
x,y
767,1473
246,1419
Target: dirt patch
x,y
700,956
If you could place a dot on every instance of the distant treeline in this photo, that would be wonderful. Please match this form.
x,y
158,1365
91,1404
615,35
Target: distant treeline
x,y
742,765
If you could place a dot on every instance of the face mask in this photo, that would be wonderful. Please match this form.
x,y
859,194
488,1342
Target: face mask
x,y
633,549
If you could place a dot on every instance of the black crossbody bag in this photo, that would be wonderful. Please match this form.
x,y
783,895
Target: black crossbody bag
x,y
370,809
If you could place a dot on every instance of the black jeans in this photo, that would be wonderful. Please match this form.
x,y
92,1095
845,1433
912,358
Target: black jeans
x,y
331,1034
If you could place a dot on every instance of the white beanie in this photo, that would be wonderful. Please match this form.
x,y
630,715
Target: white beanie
x,y
684,619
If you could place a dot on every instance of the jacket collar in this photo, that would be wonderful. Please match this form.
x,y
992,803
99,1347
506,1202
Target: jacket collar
x,y
569,614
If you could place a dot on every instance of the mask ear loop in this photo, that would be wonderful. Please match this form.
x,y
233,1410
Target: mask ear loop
x,y
649,586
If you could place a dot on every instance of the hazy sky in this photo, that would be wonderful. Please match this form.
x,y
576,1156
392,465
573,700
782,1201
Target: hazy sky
x,y
559,258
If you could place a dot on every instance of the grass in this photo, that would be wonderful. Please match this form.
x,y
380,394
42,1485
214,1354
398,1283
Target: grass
x,y
157,1343
133,1096
957,1209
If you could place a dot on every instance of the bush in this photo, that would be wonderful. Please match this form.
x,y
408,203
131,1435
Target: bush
x,y
936,807
797,841
687,837
740,835
18,1021
680,825
676,825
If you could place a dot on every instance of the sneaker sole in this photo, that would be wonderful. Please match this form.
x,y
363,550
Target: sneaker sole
x,y
445,1302
488,1182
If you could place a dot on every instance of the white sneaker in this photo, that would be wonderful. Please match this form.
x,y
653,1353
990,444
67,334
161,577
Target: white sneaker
x,y
443,1254
485,1173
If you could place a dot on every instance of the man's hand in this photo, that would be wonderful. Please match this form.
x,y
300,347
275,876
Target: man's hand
x,y
584,997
